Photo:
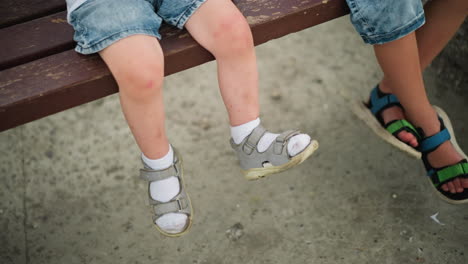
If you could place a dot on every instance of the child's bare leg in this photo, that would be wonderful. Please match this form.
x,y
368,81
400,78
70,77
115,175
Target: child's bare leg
x,y
400,63
443,18
139,73
220,28
136,63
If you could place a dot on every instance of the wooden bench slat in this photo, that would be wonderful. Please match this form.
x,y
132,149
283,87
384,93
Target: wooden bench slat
x,y
35,39
58,82
19,11
52,34
41,38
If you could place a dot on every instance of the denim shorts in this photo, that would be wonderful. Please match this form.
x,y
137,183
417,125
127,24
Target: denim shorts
x,y
100,23
382,21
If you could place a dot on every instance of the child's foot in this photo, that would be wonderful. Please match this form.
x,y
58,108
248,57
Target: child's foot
x,y
440,155
172,209
262,153
396,113
388,110
444,156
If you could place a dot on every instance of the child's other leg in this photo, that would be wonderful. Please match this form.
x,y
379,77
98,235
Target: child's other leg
x,y
400,63
220,28
136,63
443,18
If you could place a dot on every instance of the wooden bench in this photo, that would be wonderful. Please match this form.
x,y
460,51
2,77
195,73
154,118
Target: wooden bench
x,y
41,74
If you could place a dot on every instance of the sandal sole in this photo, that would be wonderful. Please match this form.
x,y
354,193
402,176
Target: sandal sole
x,y
258,173
362,112
190,217
454,142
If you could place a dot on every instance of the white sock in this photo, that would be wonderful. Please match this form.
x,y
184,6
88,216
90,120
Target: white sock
x,y
161,163
164,191
238,133
296,144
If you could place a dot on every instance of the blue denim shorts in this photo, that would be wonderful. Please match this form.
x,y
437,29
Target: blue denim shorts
x,y
382,21
99,23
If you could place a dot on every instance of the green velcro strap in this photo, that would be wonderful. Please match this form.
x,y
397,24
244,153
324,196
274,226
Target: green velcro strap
x,y
401,124
452,171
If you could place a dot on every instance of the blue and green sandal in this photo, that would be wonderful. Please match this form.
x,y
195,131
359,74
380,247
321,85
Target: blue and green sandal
x,y
370,113
439,176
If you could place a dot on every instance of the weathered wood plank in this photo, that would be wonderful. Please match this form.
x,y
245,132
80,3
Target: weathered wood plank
x,y
55,83
34,40
51,34
19,11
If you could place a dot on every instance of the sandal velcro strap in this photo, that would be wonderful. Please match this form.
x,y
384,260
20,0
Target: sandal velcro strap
x,y
395,126
253,139
157,175
173,206
281,140
380,103
441,176
431,143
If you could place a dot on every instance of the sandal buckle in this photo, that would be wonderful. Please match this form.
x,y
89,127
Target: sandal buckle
x,y
248,148
179,205
278,148
280,140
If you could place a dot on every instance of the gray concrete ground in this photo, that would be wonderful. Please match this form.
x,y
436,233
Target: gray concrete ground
x,y
70,192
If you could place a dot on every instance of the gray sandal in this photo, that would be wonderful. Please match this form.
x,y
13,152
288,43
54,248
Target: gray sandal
x,y
256,165
179,204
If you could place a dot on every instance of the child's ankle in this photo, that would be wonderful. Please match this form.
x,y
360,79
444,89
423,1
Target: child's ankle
x,y
239,133
427,120
161,163
385,87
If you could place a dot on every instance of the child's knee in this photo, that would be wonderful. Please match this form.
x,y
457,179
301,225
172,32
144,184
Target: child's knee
x,y
232,36
142,82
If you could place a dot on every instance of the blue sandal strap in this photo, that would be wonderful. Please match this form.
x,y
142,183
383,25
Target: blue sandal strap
x,y
429,144
380,103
